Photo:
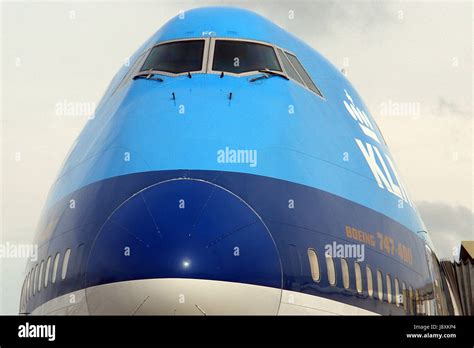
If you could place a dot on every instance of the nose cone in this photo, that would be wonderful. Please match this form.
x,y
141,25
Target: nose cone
x,y
183,246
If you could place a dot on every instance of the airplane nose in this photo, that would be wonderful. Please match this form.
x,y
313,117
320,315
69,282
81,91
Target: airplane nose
x,y
183,246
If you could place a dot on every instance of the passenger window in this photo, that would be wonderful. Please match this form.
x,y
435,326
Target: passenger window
x,y
21,295
25,295
291,72
29,286
418,303
46,275
397,292
240,56
22,298
345,274
358,275
35,279
302,72
25,292
176,57
31,281
404,295
331,270
314,265
65,264
40,277
410,301
370,282
388,280
55,268
379,285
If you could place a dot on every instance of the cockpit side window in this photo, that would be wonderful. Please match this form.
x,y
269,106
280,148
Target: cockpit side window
x,y
131,71
290,70
242,56
176,57
302,72
295,71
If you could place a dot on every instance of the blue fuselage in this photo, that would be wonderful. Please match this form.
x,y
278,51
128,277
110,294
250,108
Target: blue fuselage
x,y
216,177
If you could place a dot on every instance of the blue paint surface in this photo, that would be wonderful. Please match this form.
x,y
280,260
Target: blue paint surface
x,y
306,153
142,121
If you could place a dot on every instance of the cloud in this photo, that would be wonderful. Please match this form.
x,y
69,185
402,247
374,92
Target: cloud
x,y
447,107
447,225
315,20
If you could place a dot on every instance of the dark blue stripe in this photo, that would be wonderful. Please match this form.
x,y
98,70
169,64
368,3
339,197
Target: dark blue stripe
x,y
318,218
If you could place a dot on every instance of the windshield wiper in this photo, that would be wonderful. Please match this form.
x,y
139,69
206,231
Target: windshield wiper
x,y
148,75
269,73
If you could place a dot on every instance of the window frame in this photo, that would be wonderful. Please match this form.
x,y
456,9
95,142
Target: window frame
x,y
40,276
333,269
370,285
284,58
35,279
208,61
54,275
358,277
388,286
47,271
21,296
412,300
276,50
205,56
27,292
404,296
29,289
317,268
133,69
380,288
396,285
65,263
22,302
346,277
286,53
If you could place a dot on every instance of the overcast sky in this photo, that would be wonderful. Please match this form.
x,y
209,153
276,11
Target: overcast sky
x,y
410,61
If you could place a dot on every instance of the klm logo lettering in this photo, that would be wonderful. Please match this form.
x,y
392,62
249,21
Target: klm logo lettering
x,y
380,164
361,118
381,172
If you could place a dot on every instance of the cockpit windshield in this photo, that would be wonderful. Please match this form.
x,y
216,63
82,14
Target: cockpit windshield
x,y
220,56
242,56
176,57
